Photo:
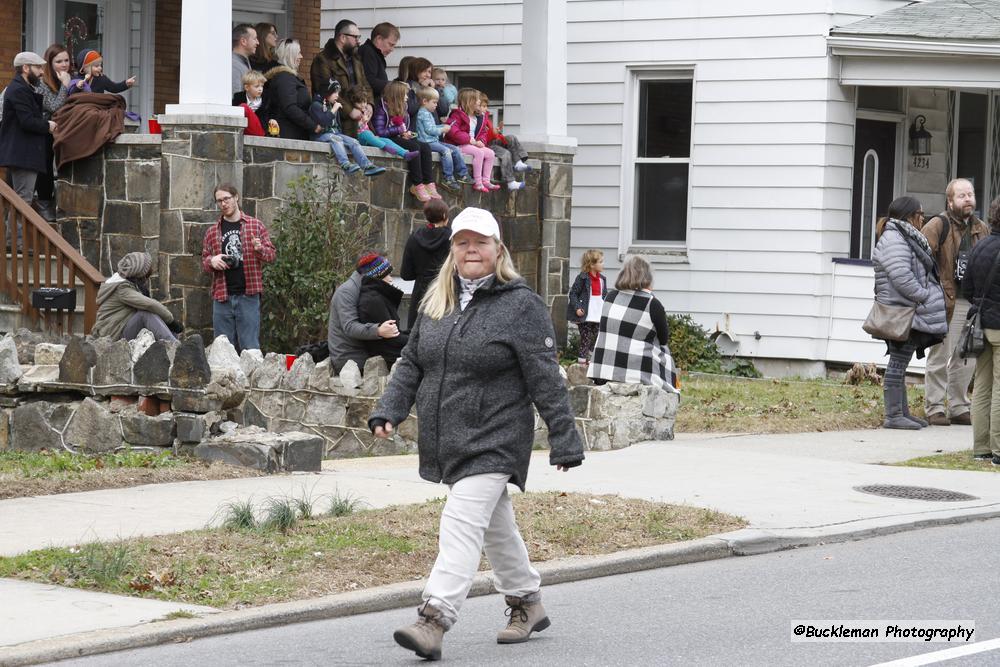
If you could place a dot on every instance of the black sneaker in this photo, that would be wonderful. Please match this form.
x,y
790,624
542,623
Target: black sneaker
x,y
982,457
996,460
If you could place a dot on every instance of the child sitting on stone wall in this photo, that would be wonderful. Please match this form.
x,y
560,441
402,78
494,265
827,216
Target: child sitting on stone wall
x,y
325,111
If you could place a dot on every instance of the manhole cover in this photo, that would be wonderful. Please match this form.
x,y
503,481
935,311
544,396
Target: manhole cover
x,y
914,493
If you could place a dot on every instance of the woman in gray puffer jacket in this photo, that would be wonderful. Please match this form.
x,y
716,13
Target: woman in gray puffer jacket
x,y
480,354
906,275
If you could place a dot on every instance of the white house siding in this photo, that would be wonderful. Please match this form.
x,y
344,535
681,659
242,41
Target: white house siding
x,y
772,142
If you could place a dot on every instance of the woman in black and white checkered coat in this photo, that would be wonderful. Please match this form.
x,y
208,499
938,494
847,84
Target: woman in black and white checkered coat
x,y
632,344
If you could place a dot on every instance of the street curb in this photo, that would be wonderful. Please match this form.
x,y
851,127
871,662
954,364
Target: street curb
x,y
744,542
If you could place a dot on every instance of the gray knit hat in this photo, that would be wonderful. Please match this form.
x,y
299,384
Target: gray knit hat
x,y
135,265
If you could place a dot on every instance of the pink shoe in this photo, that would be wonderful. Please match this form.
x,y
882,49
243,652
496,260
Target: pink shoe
x,y
432,191
491,186
420,192
480,186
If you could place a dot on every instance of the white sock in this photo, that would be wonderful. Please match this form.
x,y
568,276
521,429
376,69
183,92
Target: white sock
x,y
520,166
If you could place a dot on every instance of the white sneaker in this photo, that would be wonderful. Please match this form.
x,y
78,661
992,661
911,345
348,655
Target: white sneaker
x,y
515,185
521,165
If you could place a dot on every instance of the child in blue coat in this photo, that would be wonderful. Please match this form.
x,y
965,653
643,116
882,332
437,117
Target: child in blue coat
x,y
429,132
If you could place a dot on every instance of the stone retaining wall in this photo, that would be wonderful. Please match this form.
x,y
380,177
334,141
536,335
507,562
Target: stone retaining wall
x,y
98,395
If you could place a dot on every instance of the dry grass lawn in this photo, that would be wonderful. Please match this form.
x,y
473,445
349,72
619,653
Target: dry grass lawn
x,y
951,461
322,555
720,404
24,474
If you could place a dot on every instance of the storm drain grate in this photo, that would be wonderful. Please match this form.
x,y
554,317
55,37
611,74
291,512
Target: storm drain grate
x,y
914,493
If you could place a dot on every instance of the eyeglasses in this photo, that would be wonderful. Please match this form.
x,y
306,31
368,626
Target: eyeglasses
x,y
347,34
224,200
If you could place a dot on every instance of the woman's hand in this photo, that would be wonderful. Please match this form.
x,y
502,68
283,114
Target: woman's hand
x,y
383,432
579,312
63,78
355,114
388,329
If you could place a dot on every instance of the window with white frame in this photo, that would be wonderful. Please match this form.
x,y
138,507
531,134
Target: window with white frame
x,y
662,157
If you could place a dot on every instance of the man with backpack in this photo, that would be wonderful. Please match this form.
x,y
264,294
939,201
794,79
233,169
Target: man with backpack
x,y
952,235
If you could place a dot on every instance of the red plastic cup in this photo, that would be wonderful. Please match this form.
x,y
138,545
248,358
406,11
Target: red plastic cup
x,y
154,127
289,360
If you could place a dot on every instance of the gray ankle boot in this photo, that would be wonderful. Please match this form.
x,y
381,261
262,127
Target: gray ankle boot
x,y
894,396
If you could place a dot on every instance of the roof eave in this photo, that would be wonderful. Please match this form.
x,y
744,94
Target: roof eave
x,y
843,45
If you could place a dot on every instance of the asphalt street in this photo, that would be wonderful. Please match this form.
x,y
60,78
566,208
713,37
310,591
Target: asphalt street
x,y
736,611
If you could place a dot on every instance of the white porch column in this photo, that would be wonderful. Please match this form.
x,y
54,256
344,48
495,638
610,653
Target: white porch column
x,y
543,73
206,60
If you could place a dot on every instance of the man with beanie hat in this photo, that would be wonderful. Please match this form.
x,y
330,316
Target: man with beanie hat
x,y
124,307
346,334
24,128
379,302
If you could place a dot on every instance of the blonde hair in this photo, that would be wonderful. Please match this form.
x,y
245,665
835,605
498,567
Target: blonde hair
x,y
286,53
394,96
589,259
636,274
484,98
427,94
441,298
438,70
252,77
468,100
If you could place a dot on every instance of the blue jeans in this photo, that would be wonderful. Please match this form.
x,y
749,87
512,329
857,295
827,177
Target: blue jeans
x,y
238,319
337,144
452,159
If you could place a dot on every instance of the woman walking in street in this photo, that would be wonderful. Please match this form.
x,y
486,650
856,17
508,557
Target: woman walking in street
x,y
981,286
482,352
906,275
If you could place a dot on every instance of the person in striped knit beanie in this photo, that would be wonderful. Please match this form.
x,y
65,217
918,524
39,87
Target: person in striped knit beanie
x,y
378,302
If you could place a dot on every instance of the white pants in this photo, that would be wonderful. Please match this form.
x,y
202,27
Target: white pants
x,y
946,372
478,513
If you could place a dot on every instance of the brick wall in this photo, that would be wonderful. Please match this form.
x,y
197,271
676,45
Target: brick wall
x,y
168,53
305,28
10,39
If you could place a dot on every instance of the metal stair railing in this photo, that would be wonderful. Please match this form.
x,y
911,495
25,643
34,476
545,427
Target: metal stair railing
x,y
26,269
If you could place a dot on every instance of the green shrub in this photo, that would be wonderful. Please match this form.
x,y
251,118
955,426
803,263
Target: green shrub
x,y
691,347
318,240
694,351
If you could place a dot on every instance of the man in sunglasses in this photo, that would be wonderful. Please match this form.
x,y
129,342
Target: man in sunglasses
x,y
339,60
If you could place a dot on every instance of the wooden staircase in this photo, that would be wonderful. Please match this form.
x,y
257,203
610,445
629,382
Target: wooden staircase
x,y
45,259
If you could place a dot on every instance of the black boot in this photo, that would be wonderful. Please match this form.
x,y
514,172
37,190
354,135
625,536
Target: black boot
x,y
893,396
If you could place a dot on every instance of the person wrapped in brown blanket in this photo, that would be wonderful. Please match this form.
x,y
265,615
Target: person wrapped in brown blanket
x,y
85,123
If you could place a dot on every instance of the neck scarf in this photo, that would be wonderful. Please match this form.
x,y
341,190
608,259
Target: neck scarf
x,y
468,287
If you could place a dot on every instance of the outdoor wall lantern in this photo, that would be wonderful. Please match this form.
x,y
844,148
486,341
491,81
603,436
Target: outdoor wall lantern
x,y
920,138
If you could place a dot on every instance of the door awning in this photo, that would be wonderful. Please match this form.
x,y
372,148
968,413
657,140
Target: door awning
x,y
941,44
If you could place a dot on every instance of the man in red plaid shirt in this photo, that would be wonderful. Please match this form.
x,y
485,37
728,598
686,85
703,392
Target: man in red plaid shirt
x,y
234,252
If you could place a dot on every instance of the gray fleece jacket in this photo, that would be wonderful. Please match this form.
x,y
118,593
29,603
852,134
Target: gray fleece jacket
x,y
345,335
474,375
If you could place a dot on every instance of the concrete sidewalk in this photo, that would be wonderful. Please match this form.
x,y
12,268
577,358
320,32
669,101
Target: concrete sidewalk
x,y
794,489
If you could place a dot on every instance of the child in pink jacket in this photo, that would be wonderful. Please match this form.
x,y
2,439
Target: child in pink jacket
x,y
470,136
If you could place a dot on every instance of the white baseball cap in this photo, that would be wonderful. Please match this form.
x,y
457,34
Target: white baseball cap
x,y
476,220
28,58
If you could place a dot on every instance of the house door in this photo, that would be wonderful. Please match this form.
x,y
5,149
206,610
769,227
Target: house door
x,y
874,176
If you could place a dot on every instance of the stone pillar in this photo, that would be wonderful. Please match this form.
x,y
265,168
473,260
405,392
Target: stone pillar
x,y
555,191
199,152
206,59
543,84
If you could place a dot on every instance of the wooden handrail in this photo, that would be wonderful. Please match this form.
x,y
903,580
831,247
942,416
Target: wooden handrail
x,y
22,274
